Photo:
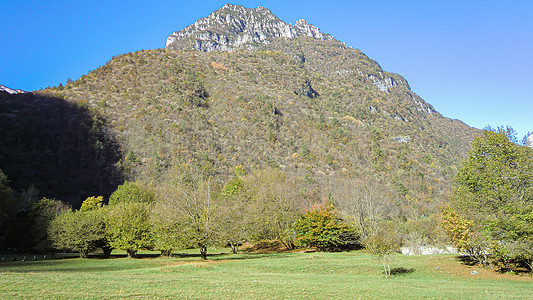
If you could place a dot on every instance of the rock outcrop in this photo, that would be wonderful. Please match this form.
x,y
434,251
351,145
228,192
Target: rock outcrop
x,y
4,88
234,26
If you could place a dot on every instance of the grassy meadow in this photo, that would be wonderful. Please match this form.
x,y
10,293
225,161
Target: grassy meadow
x,y
345,275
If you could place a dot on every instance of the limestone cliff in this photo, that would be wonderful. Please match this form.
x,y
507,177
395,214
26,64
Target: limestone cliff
x,y
234,26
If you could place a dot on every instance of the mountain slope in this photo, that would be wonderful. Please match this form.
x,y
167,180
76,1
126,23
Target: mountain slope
x,y
303,102
60,148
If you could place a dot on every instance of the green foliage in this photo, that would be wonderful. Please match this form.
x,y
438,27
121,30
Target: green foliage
x,y
495,191
168,232
129,226
83,231
6,196
132,192
383,243
42,213
92,203
233,187
321,227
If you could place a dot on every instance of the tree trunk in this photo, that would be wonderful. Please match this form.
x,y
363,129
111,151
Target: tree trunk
x,y
107,251
234,247
288,244
166,252
84,253
131,253
203,251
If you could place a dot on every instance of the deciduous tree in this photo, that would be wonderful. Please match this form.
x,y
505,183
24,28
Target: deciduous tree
x,y
495,191
277,202
193,198
129,226
82,231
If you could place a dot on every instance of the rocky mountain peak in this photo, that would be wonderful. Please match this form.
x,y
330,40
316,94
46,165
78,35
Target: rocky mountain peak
x,y
234,26
11,91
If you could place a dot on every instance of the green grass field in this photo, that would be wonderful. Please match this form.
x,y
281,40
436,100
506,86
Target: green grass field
x,y
348,275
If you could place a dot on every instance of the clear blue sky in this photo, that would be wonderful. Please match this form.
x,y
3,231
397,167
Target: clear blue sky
x,y
472,60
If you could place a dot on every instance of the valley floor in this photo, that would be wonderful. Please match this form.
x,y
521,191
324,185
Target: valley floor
x,y
348,275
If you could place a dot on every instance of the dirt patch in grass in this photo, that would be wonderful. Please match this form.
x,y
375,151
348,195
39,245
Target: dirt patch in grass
x,y
266,246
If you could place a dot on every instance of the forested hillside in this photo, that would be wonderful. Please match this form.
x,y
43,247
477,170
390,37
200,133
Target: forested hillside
x,y
298,101
324,113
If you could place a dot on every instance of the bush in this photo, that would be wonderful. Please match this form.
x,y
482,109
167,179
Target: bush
x,y
321,227
81,231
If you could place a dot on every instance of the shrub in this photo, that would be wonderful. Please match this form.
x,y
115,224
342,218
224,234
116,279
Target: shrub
x,y
321,227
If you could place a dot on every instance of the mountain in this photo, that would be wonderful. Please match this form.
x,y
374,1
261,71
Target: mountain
x,y
283,96
57,147
234,26
10,91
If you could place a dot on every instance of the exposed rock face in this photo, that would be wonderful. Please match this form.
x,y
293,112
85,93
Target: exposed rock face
x,y
10,91
234,26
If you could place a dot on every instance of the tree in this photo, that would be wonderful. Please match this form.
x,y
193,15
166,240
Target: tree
x,y
82,231
235,213
167,231
322,227
495,191
383,243
193,198
364,203
129,227
42,213
277,203
6,196
463,234
132,192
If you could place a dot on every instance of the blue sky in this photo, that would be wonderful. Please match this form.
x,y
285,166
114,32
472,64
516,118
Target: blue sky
x,y
472,60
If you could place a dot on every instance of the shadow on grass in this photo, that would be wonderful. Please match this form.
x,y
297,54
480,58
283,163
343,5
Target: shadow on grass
x,y
116,262
401,271
231,256
467,260
513,267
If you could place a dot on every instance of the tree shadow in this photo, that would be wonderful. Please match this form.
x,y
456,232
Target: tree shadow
x,y
52,148
62,148
401,271
468,260
223,256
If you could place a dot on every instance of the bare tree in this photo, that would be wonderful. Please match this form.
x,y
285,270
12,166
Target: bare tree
x,y
235,220
364,201
192,197
277,203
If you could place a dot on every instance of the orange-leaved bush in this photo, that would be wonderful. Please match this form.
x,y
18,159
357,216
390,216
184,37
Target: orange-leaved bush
x,y
322,227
